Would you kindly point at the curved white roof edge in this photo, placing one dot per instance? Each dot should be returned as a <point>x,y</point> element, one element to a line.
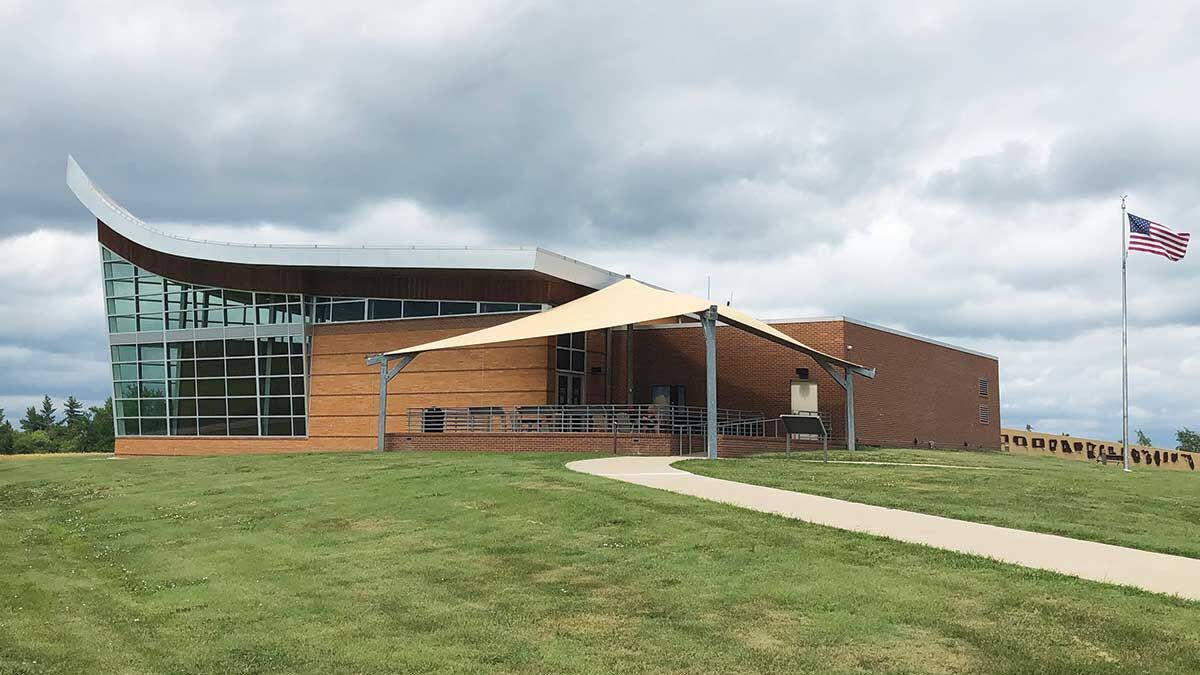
<point>133,228</point>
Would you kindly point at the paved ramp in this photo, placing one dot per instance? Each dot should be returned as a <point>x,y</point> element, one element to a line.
<point>1155,572</point>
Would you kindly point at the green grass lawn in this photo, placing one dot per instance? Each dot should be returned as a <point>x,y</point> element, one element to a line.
<point>456,563</point>
<point>1146,509</point>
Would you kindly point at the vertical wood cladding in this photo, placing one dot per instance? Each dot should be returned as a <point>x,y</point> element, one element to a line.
<point>465,284</point>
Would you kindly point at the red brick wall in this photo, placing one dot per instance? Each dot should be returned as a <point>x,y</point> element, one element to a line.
<point>752,373</point>
<point>922,391</point>
<point>190,445</point>
<point>646,444</point>
<point>649,444</point>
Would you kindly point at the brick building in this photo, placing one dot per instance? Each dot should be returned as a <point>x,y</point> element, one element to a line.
<point>220,348</point>
<point>926,392</point>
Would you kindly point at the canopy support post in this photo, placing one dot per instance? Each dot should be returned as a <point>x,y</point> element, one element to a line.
<point>386,375</point>
<point>629,364</point>
<point>846,381</point>
<point>709,321</point>
<point>850,436</point>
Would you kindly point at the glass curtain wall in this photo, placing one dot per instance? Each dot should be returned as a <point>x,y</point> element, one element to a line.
<point>196,361</point>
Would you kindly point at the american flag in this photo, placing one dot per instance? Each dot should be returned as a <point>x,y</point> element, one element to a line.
<point>1150,237</point>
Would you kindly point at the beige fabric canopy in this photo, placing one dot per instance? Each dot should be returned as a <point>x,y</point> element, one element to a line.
<point>623,303</point>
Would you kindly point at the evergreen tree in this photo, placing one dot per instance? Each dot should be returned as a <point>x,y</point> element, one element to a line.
<point>1143,439</point>
<point>7,436</point>
<point>70,437</point>
<point>32,421</point>
<point>72,411</point>
<point>47,412</point>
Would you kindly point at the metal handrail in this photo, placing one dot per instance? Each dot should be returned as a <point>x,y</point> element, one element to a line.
<point>607,419</point>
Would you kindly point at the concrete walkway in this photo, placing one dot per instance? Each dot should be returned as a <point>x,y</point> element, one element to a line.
<point>1155,572</point>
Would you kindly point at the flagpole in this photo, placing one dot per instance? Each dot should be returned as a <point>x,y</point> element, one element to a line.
<point>1124,338</point>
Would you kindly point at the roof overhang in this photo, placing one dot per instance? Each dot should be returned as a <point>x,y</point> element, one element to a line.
<point>530,259</point>
<point>626,302</point>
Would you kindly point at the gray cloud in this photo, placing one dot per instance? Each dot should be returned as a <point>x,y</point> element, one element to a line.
<point>1081,163</point>
<point>949,169</point>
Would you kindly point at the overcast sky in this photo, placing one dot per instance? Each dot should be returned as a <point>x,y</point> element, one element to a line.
<point>951,169</point>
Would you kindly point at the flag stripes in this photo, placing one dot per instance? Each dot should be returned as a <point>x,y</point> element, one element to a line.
<point>1148,236</point>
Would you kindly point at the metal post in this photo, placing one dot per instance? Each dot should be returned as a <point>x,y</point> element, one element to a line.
<point>787,446</point>
<point>1124,341</point>
<point>385,376</point>
<point>383,382</point>
<point>629,364</point>
<point>608,361</point>
<point>849,409</point>
<point>709,321</point>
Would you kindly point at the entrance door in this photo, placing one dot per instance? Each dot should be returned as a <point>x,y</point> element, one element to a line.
<point>570,389</point>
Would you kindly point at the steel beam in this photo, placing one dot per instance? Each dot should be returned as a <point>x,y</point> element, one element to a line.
<point>846,381</point>
<point>709,321</point>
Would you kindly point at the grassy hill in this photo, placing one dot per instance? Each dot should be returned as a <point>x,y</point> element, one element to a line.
<point>456,563</point>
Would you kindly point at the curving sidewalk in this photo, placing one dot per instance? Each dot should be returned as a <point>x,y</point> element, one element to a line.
<point>1155,572</point>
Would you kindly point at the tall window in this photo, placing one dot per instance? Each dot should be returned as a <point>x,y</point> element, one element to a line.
<point>983,386</point>
<point>570,359</point>
<point>177,370</point>
<point>190,360</point>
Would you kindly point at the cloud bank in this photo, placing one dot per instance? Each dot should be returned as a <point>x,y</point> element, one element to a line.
<point>947,169</point>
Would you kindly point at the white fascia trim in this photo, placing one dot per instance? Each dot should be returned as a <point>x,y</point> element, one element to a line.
<point>133,228</point>
<point>827,319</point>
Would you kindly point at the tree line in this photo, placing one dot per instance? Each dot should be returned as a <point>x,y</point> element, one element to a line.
<point>1185,439</point>
<point>43,430</point>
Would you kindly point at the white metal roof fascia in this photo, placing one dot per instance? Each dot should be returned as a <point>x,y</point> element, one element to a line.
<point>558,265</point>
<point>133,228</point>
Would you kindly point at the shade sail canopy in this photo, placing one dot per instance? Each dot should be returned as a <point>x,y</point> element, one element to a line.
<point>623,303</point>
